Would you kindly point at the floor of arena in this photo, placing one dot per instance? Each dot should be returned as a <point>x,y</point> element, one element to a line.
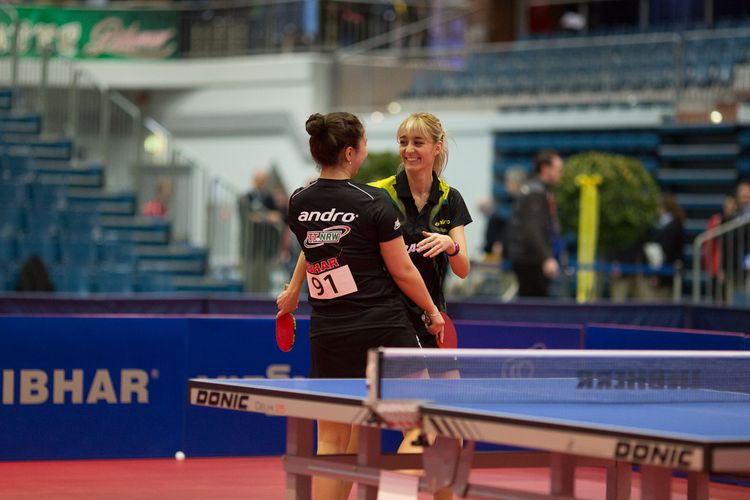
<point>260,478</point>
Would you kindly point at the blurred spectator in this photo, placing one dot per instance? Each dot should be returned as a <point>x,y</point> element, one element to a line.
<point>262,225</point>
<point>496,233</point>
<point>713,249</point>
<point>670,240</point>
<point>158,206</point>
<point>535,228</point>
<point>34,276</point>
<point>743,238</point>
<point>743,197</point>
<point>626,279</point>
<point>493,233</point>
<point>258,198</point>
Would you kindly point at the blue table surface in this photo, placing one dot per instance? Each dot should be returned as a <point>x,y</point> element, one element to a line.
<point>709,422</point>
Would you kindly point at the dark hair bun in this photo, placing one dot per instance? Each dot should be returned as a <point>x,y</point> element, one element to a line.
<point>316,125</point>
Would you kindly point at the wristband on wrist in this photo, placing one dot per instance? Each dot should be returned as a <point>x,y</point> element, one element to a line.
<point>427,317</point>
<point>456,249</point>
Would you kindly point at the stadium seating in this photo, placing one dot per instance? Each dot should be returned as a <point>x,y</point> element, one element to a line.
<point>647,62</point>
<point>90,238</point>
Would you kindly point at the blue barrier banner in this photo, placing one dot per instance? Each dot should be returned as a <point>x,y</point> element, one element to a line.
<point>720,319</point>
<point>243,304</point>
<point>631,337</point>
<point>495,335</point>
<point>77,387</point>
<point>239,348</point>
<point>116,386</point>
<point>26,304</point>
<point>555,312</point>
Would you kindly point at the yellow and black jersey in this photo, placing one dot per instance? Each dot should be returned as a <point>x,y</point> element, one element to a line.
<point>445,209</point>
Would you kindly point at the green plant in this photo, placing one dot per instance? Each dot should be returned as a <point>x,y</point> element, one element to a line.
<point>378,166</point>
<point>628,198</point>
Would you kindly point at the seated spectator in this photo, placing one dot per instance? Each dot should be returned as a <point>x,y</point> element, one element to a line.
<point>34,276</point>
<point>158,206</point>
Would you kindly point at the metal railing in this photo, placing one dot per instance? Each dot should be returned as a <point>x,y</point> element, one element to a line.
<point>726,249</point>
<point>223,225</point>
<point>135,151</point>
<point>257,27</point>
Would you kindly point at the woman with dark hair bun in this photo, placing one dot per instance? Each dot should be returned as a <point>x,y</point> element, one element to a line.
<point>355,261</point>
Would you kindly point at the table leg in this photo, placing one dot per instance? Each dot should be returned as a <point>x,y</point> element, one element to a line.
<point>656,482</point>
<point>299,443</point>
<point>562,474</point>
<point>368,454</point>
<point>465,460</point>
<point>619,478</point>
<point>697,486</point>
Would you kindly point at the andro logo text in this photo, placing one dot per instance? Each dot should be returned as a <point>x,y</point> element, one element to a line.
<point>35,387</point>
<point>331,215</point>
<point>666,455</point>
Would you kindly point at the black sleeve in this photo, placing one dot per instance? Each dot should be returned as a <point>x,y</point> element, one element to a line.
<point>385,217</point>
<point>293,213</point>
<point>460,215</point>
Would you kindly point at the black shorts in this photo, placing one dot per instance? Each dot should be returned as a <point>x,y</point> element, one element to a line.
<point>344,355</point>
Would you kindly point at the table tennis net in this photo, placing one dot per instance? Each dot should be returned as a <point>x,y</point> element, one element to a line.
<point>478,376</point>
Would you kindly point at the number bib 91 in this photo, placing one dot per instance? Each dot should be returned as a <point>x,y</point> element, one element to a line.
<point>331,284</point>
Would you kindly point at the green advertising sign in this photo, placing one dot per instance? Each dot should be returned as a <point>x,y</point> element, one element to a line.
<point>91,33</point>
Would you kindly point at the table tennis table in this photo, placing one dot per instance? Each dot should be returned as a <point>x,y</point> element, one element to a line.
<point>664,411</point>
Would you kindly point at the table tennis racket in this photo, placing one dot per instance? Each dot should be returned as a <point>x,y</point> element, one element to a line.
<point>286,331</point>
<point>450,340</point>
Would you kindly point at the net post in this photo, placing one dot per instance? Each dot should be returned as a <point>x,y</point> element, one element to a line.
<point>373,373</point>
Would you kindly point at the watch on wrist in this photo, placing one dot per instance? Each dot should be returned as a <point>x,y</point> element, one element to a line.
<point>456,249</point>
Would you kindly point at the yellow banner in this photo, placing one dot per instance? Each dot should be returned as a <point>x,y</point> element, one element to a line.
<point>588,235</point>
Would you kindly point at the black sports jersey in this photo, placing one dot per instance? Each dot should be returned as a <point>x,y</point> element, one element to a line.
<point>340,225</point>
<point>444,210</point>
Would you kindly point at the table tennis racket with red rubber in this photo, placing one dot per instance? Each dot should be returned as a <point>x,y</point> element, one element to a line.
<point>286,331</point>
<point>450,340</point>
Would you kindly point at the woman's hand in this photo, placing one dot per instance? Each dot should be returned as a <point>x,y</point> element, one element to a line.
<point>287,301</point>
<point>435,324</point>
<point>434,244</point>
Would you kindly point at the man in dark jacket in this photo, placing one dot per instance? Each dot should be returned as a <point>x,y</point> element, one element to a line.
<point>534,227</point>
